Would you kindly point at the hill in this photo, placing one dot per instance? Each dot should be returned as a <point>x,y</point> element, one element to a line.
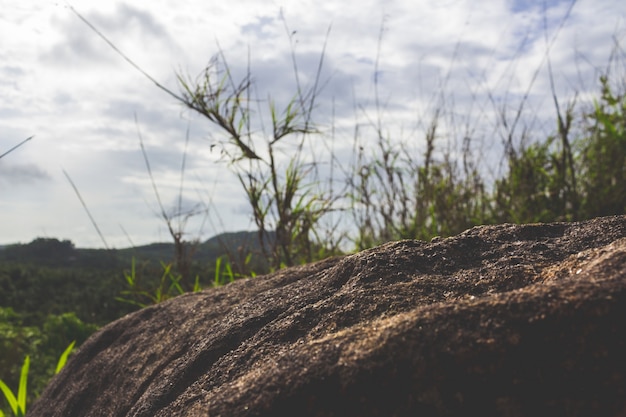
<point>54,252</point>
<point>51,276</point>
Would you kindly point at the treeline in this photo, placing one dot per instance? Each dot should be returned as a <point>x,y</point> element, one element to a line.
<point>50,276</point>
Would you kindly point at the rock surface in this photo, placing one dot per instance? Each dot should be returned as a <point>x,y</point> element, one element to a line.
<point>498,321</point>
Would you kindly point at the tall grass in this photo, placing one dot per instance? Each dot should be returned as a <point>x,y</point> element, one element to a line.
<point>283,193</point>
<point>393,189</point>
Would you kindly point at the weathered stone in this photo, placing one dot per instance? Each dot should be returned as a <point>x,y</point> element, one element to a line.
<point>499,321</point>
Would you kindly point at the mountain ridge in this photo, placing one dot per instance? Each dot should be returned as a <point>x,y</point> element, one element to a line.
<point>55,252</point>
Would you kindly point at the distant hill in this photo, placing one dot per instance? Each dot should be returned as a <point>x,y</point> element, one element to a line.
<point>52,276</point>
<point>232,243</point>
<point>57,253</point>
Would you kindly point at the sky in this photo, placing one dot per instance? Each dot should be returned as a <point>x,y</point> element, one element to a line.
<point>86,108</point>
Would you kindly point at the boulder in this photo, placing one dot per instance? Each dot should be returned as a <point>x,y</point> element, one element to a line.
<point>506,320</point>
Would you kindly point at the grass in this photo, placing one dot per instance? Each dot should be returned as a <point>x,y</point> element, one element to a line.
<point>18,403</point>
<point>168,286</point>
<point>388,191</point>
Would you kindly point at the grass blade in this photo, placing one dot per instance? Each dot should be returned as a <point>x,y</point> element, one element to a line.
<point>21,392</point>
<point>8,394</point>
<point>218,268</point>
<point>93,221</point>
<point>15,147</point>
<point>63,358</point>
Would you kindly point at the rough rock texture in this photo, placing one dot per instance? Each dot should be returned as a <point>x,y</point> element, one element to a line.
<point>498,321</point>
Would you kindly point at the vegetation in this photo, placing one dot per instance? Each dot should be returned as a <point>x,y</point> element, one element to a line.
<point>37,349</point>
<point>574,174</point>
<point>18,403</point>
<point>53,294</point>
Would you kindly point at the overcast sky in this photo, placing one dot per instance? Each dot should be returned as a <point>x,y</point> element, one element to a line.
<point>86,106</point>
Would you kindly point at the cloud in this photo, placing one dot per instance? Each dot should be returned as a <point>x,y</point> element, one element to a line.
<point>77,45</point>
<point>18,174</point>
<point>9,72</point>
<point>262,28</point>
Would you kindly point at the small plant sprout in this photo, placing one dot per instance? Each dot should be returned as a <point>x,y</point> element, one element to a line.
<point>18,404</point>
<point>64,356</point>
